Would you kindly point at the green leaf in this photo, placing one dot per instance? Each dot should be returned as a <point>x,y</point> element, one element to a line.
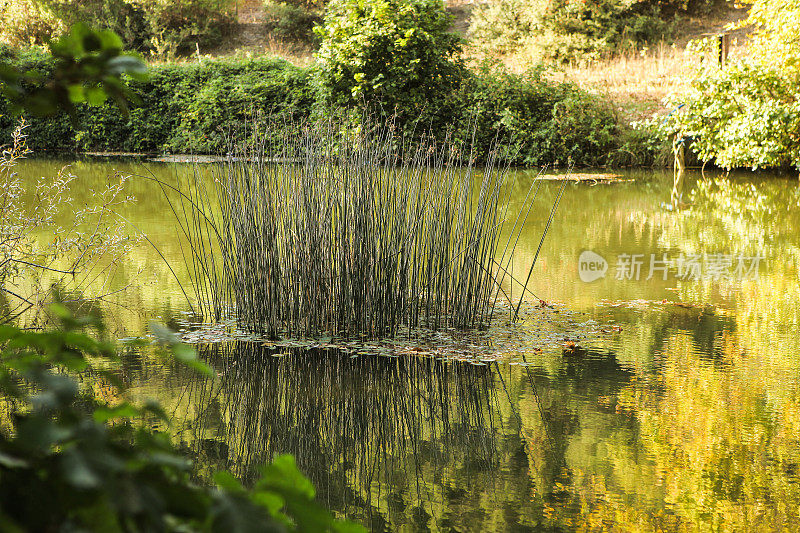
<point>10,461</point>
<point>77,93</point>
<point>236,513</point>
<point>77,471</point>
<point>109,40</point>
<point>272,502</point>
<point>283,474</point>
<point>95,96</point>
<point>163,334</point>
<point>346,526</point>
<point>226,481</point>
<point>182,352</point>
<point>121,411</point>
<point>41,434</point>
<point>126,64</point>
<point>60,311</point>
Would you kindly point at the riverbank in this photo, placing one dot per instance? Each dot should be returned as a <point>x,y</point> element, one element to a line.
<point>201,107</point>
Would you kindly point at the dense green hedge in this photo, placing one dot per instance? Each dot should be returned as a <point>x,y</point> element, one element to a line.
<point>198,107</point>
<point>538,121</point>
<point>185,108</point>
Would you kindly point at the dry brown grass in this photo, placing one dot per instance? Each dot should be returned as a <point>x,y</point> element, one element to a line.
<point>299,54</point>
<point>636,82</point>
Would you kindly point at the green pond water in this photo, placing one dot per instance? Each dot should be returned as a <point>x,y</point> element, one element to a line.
<point>677,410</point>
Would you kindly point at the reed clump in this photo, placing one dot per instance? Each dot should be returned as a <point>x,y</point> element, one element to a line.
<point>348,231</point>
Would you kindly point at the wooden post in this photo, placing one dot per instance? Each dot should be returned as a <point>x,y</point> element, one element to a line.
<point>724,41</point>
<point>678,169</point>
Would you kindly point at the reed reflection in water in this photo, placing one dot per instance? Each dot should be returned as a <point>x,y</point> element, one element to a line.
<point>396,443</point>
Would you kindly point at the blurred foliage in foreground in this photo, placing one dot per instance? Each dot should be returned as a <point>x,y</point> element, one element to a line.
<point>88,66</point>
<point>69,462</point>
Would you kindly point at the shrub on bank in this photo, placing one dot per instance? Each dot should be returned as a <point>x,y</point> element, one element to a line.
<point>539,122</point>
<point>746,114</point>
<point>192,107</point>
<point>397,57</point>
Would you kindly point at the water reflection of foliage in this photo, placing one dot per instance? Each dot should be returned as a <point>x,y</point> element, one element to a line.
<point>406,442</point>
<point>724,452</point>
<point>712,442</point>
<point>751,216</point>
<point>697,436</point>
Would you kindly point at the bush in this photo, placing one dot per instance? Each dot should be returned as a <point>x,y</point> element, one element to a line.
<point>214,103</point>
<point>126,18</point>
<point>541,122</point>
<point>71,463</point>
<point>745,115</point>
<point>393,56</point>
<point>597,27</point>
<point>201,107</point>
<point>748,113</point>
<point>188,108</point>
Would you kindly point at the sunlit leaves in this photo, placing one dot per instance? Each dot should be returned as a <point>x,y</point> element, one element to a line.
<point>747,114</point>
<point>385,51</point>
<point>182,352</point>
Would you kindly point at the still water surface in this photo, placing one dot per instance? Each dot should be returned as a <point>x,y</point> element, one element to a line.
<point>683,415</point>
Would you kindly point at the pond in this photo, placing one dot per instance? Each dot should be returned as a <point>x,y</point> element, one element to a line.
<point>665,398</point>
